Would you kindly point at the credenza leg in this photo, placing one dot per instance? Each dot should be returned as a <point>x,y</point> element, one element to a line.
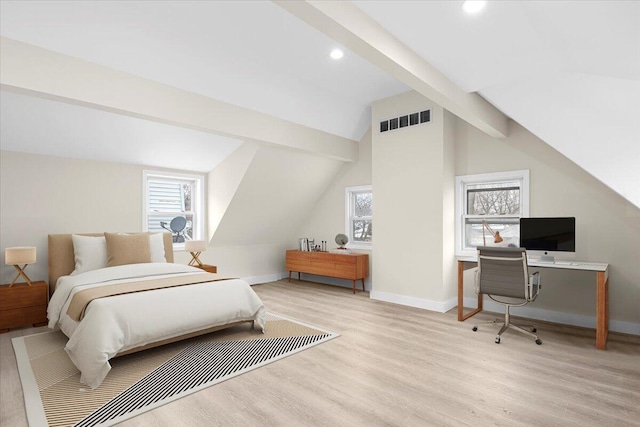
<point>363,283</point>
<point>289,276</point>
<point>354,286</point>
<point>298,275</point>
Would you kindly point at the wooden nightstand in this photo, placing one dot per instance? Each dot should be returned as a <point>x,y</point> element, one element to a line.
<point>208,268</point>
<point>23,305</point>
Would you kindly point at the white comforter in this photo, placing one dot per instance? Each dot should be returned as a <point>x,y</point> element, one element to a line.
<point>122,322</point>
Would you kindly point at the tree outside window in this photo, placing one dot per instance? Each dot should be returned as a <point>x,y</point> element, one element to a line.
<point>498,200</point>
<point>359,216</point>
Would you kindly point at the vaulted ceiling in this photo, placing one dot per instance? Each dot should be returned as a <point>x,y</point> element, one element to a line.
<point>567,71</point>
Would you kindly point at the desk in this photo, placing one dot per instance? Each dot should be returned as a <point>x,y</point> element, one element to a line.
<point>602,290</point>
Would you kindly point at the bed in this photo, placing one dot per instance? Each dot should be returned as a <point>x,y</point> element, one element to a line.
<point>112,326</point>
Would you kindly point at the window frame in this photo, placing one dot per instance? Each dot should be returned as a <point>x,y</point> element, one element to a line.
<point>197,202</point>
<point>350,192</point>
<point>461,199</point>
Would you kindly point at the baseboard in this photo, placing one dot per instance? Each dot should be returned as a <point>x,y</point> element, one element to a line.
<point>256,280</point>
<point>439,306</point>
<point>557,316</point>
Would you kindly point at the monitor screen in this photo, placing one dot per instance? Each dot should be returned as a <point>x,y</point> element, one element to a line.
<point>548,234</point>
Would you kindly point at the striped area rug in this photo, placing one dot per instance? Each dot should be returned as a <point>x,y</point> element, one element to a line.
<point>142,381</point>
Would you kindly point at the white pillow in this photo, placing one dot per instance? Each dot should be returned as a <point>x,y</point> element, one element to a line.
<point>156,243</point>
<point>90,253</point>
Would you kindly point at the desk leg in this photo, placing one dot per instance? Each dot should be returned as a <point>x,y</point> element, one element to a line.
<point>289,276</point>
<point>602,311</point>
<point>461,316</point>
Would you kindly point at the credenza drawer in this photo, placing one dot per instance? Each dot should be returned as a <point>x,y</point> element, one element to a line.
<point>22,316</point>
<point>23,295</point>
<point>298,265</point>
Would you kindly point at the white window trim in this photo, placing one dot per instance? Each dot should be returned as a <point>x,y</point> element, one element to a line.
<point>461,200</point>
<point>198,203</point>
<point>347,218</point>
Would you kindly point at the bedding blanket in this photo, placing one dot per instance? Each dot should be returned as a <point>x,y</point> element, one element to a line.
<point>122,322</point>
<point>83,298</point>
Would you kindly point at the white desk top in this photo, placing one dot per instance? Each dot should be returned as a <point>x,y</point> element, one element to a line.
<point>569,265</point>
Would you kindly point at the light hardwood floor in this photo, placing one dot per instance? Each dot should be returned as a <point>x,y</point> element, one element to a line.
<point>400,366</point>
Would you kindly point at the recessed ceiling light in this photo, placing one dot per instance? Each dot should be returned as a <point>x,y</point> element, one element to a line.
<point>336,54</point>
<point>473,6</point>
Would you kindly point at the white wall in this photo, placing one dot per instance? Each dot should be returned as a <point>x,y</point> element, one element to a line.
<point>607,225</point>
<point>275,195</point>
<point>412,182</point>
<point>41,195</point>
<point>223,182</point>
<point>327,217</point>
<point>449,264</point>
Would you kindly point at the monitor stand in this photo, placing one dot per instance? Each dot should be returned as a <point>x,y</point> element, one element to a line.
<point>547,258</point>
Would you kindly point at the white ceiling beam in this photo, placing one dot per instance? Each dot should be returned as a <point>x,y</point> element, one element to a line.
<point>28,69</point>
<point>353,28</point>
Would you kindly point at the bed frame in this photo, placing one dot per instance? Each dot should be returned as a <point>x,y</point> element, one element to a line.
<point>62,263</point>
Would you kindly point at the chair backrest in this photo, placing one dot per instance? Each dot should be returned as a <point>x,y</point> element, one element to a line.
<point>503,271</point>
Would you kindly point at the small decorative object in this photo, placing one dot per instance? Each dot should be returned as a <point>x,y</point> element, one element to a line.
<point>497,238</point>
<point>24,255</point>
<point>195,247</point>
<point>304,244</point>
<point>342,240</point>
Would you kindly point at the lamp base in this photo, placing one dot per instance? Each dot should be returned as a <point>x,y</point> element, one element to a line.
<point>20,273</point>
<point>195,261</point>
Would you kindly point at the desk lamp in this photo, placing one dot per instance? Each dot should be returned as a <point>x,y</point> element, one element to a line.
<point>195,247</point>
<point>496,234</point>
<point>24,255</point>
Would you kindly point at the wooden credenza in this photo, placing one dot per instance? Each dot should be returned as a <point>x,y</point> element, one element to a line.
<point>349,266</point>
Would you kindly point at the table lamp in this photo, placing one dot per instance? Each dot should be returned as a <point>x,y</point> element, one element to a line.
<point>24,255</point>
<point>496,234</point>
<point>195,247</point>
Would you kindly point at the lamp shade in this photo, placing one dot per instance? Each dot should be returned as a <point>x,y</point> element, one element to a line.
<point>20,255</point>
<point>195,245</point>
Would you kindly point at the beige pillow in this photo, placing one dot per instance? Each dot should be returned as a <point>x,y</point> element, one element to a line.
<point>127,248</point>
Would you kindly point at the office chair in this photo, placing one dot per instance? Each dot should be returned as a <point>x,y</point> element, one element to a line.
<point>503,274</point>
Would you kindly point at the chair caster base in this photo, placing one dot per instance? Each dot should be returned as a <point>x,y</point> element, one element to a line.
<point>497,340</point>
<point>475,328</point>
<point>538,341</point>
<point>534,330</point>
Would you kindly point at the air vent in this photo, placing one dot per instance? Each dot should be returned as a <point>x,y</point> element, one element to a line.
<point>406,120</point>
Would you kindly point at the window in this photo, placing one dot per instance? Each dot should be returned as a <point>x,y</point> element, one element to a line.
<point>174,203</point>
<point>498,200</point>
<point>359,216</point>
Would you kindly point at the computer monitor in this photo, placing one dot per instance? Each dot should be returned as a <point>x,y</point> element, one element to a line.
<point>548,235</point>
